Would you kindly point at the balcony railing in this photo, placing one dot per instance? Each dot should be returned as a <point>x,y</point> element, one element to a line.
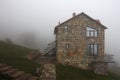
<point>108,58</point>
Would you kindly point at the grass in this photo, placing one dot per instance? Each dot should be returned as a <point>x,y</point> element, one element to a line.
<point>12,54</point>
<point>4,78</point>
<point>71,73</point>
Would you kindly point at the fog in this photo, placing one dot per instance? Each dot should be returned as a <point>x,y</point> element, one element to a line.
<point>39,17</point>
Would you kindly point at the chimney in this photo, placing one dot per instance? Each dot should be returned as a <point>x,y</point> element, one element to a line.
<point>74,14</point>
<point>58,23</point>
<point>97,20</point>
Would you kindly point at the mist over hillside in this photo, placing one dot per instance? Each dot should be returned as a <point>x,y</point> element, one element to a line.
<point>31,23</point>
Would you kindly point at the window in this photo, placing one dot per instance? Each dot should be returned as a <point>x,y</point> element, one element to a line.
<point>90,32</point>
<point>92,50</point>
<point>67,46</point>
<point>65,27</point>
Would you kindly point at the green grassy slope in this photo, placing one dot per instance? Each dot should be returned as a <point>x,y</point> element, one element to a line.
<point>4,78</point>
<point>14,55</point>
<point>71,73</point>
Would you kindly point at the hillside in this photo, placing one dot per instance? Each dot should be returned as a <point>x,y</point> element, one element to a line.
<point>13,55</point>
<point>71,73</point>
<point>115,69</point>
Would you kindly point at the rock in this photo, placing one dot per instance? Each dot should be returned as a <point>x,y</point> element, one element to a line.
<point>17,74</point>
<point>48,72</point>
<point>5,68</point>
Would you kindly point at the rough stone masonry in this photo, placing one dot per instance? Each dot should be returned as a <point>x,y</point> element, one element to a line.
<point>48,72</point>
<point>79,40</point>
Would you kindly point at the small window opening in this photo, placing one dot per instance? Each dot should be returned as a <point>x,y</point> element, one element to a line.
<point>66,27</point>
<point>67,46</point>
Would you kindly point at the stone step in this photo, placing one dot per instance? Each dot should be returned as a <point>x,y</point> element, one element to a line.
<point>10,71</point>
<point>47,78</point>
<point>17,74</point>
<point>6,68</point>
<point>33,78</point>
<point>26,76</point>
<point>23,77</point>
<point>2,65</point>
<point>15,71</point>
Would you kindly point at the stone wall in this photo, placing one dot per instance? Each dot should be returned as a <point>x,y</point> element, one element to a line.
<point>100,68</point>
<point>48,72</point>
<point>75,35</point>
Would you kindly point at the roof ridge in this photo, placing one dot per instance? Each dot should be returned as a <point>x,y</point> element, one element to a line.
<point>79,15</point>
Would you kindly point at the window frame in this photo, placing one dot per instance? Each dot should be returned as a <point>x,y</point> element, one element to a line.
<point>91,33</point>
<point>91,50</point>
<point>67,46</point>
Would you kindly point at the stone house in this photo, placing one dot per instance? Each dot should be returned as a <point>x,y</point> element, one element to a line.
<point>80,43</point>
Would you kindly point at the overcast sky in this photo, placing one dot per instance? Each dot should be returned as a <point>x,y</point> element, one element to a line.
<point>41,16</point>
